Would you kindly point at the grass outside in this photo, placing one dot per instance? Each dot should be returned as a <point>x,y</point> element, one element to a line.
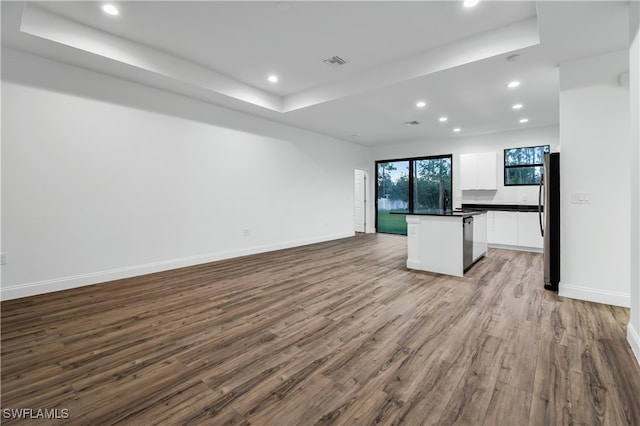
<point>392,223</point>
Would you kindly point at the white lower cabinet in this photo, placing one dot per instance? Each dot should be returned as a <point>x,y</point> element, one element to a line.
<point>529,230</point>
<point>505,228</point>
<point>518,229</point>
<point>489,226</point>
<point>479,236</point>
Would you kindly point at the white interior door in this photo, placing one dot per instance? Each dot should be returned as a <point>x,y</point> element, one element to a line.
<point>359,197</point>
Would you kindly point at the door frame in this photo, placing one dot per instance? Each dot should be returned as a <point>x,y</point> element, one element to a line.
<point>365,192</point>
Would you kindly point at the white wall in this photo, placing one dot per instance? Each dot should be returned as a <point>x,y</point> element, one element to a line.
<point>595,140</point>
<point>633,329</point>
<point>103,178</point>
<point>495,142</point>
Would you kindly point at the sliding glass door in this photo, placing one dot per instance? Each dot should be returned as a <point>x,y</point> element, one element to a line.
<point>392,195</point>
<point>420,185</point>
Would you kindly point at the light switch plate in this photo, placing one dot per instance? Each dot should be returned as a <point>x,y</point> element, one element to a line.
<point>580,198</point>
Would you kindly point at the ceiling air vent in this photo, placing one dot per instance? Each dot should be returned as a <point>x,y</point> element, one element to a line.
<point>334,61</point>
<point>411,123</point>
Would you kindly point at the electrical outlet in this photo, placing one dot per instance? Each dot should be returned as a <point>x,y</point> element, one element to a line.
<point>246,232</point>
<point>4,258</point>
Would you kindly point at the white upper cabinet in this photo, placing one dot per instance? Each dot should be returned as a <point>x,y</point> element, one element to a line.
<point>478,171</point>
<point>487,175</point>
<point>468,171</point>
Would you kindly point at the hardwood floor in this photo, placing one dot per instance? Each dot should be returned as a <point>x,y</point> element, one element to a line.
<point>333,333</point>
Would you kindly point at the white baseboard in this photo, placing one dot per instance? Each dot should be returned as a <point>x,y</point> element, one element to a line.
<point>594,295</point>
<point>517,248</point>
<point>66,283</point>
<point>634,340</point>
<point>414,264</point>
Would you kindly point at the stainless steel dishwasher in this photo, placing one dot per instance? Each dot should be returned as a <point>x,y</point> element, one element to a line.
<point>467,244</point>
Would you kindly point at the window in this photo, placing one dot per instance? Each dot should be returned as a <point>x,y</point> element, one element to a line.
<point>414,184</point>
<point>523,166</point>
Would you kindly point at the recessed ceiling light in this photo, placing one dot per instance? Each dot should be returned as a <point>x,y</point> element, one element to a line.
<point>513,84</point>
<point>273,78</point>
<point>470,3</point>
<point>421,104</point>
<point>457,129</point>
<point>524,120</point>
<point>517,106</point>
<point>442,119</point>
<point>110,9</point>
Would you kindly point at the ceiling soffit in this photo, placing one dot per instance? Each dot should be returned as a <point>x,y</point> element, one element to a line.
<point>43,24</point>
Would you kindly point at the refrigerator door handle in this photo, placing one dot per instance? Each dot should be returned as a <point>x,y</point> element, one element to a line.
<point>540,205</point>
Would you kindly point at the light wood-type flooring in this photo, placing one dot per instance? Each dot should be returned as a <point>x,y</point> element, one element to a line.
<point>332,333</point>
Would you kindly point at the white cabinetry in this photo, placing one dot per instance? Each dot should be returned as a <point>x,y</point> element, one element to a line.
<point>479,236</point>
<point>518,229</point>
<point>478,171</point>
<point>490,226</point>
<point>529,230</point>
<point>505,228</point>
<point>468,171</point>
<point>436,243</point>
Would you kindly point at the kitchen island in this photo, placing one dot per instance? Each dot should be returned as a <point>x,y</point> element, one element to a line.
<point>436,240</point>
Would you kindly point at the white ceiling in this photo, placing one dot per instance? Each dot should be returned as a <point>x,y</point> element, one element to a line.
<point>398,53</point>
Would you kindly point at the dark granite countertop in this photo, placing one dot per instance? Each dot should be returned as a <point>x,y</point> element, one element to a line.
<point>435,212</point>
<point>502,207</point>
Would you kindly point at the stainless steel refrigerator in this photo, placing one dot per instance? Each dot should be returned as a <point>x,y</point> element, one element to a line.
<point>549,214</point>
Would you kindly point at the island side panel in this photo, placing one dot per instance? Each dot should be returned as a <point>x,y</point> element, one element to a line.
<point>479,236</point>
<point>434,244</point>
